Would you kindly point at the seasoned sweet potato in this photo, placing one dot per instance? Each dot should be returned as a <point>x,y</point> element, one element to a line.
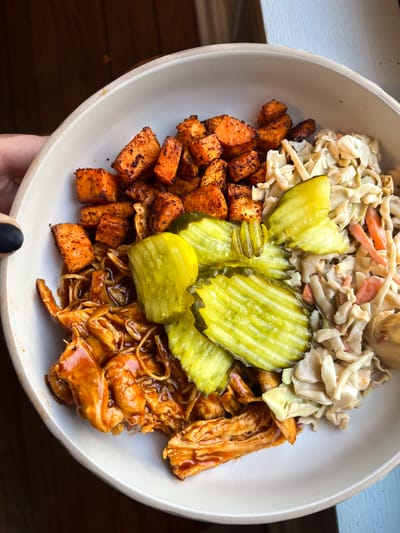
<point>206,149</point>
<point>212,123</point>
<point>74,245</point>
<point>183,186</point>
<point>142,191</point>
<point>302,130</point>
<point>271,135</point>
<point>168,160</point>
<point>96,185</point>
<point>166,208</point>
<point>215,172</point>
<point>243,165</point>
<point>235,190</point>
<point>235,136</point>
<point>187,166</point>
<point>91,215</point>
<point>259,175</point>
<point>208,199</point>
<point>190,130</point>
<point>243,208</point>
<point>138,156</point>
<point>112,230</point>
<point>270,111</point>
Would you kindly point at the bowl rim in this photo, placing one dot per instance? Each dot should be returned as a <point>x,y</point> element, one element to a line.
<point>58,433</point>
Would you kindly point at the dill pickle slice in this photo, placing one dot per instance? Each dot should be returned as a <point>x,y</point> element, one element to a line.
<point>214,242</point>
<point>301,219</point>
<point>261,321</point>
<point>322,238</point>
<point>205,363</point>
<point>249,237</point>
<point>163,266</point>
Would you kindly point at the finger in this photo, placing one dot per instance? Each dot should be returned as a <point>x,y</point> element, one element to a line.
<point>11,236</point>
<point>17,152</point>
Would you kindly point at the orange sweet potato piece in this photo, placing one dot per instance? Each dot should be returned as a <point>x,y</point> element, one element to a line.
<point>91,214</point>
<point>142,191</point>
<point>165,209</point>
<point>271,135</point>
<point>302,130</point>
<point>206,149</point>
<point>138,156</point>
<point>96,185</point>
<point>244,208</point>
<point>168,160</point>
<point>270,111</point>
<point>187,166</point>
<point>208,199</point>
<point>243,165</point>
<point>183,186</point>
<point>74,245</point>
<point>190,130</point>
<point>236,190</point>
<point>112,230</point>
<point>235,136</point>
<point>215,172</point>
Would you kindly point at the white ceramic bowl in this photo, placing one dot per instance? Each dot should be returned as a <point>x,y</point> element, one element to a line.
<point>322,468</point>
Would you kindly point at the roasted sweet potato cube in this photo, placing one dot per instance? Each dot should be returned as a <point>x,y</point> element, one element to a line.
<point>96,185</point>
<point>183,186</point>
<point>165,209</point>
<point>232,132</point>
<point>259,176</point>
<point>243,165</point>
<point>206,149</point>
<point>142,191</point>
<point>190,130</point>
<point>187,166</point>
<point>74,245</point>
<point>236,190</point>
<point>270,111</point>
<point>138,156</point>
<point>215,173</point>
<point>168,160</point>
<point>271,135</point>
<point>112,230</point>
<point>91,214</point>
<point>242,208</point>
<point>208,199</point>
<point>212,123</point>
<point>302,130</point>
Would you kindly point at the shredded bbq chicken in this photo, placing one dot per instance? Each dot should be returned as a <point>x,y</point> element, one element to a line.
<point>206,444</point>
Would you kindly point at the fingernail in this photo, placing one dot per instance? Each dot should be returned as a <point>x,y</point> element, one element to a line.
<point>11,238</point>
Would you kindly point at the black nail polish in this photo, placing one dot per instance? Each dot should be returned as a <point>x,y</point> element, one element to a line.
<point>11,238</point>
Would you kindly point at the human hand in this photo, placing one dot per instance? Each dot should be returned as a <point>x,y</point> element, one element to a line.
<point>16,154</point>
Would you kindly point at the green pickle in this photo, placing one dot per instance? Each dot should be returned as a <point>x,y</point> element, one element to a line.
<point>260,321</point>
<point>221,242</point>
<point>205,363</point>
<point>163,266</point>
<point>301,219</point>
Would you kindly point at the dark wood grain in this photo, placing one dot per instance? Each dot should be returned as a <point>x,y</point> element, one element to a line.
<point>54,55</point>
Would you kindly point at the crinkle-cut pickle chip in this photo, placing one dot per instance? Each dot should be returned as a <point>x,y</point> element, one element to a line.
<point>163,266</point>
<point>205,363</point>
<point>262,322</point>
<point>301,219</point>
<point>212,239</point>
